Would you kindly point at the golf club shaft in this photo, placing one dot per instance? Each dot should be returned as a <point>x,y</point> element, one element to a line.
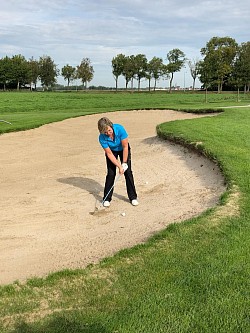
<point>111,189</point>
<point>4,121</point>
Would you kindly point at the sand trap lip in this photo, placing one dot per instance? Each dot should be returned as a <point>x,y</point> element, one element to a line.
<point>53,175</point>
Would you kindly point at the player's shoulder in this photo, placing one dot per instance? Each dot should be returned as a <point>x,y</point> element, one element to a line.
<point>118,127</point>
<point>102,138</point>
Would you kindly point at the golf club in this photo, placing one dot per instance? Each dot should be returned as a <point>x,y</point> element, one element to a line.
<point>4,121</point>
<point>97,208</point>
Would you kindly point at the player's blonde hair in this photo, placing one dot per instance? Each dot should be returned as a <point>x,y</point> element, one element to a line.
<point>103,124</point>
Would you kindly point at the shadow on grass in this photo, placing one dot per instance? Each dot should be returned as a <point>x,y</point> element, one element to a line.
<point>60,324</point>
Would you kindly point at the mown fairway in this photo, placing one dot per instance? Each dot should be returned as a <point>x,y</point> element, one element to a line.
<point>192,277</point>
<point>29,110</point>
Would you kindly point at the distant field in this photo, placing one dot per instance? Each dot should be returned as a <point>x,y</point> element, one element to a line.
<point>28,110</point>
<point>193,277</point>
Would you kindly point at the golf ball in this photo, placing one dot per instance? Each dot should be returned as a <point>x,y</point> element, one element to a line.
<point>123,214</point>
<point>146,182</point>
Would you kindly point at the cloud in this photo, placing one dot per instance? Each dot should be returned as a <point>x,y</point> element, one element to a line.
<point>74,29</point>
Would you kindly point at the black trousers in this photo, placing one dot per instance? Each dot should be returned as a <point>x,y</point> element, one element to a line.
<point>111,173</point>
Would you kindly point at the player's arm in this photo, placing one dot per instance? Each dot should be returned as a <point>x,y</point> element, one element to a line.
<point>125,150</point>
<point>113,159</point>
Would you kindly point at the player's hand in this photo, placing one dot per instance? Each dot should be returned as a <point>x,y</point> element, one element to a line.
<point>124,166</point>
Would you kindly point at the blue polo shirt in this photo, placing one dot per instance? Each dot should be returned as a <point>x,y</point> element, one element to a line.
<point>119,135</point>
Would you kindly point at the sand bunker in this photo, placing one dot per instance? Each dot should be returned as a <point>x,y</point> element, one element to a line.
<point>52,176</point>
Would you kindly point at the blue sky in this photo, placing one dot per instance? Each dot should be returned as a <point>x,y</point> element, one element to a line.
<point>71,30</point>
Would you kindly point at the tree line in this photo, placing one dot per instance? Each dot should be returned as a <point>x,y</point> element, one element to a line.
<point>224,64</point>
<point>17,72</point>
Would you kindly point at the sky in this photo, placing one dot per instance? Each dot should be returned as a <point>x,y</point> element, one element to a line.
<point>71,30</point>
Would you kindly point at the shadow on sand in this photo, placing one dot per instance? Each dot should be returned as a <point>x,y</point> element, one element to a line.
<point>89,185</point>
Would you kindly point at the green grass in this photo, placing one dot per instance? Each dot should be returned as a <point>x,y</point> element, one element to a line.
<point>193,277</point>
<point>29,110</point>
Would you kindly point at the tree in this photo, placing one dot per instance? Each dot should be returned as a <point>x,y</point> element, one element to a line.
<point>194,70</point>
<point>205,72</point>
<point>5,71</point>
<point>19,70</point>
<point>68,72</point>
<point>128,69</point>
<point>243,64</point>
<point>48,72</point>
<point>240,76</point>
<point>219,54</point>
<point>236,78</point>
<point>176,60</point>
<point>33,72</point>
<point>85,71</point>
<point>154,70</point>
<point>140,67</point>
<point>132,70</point>
<point>118,66</point>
